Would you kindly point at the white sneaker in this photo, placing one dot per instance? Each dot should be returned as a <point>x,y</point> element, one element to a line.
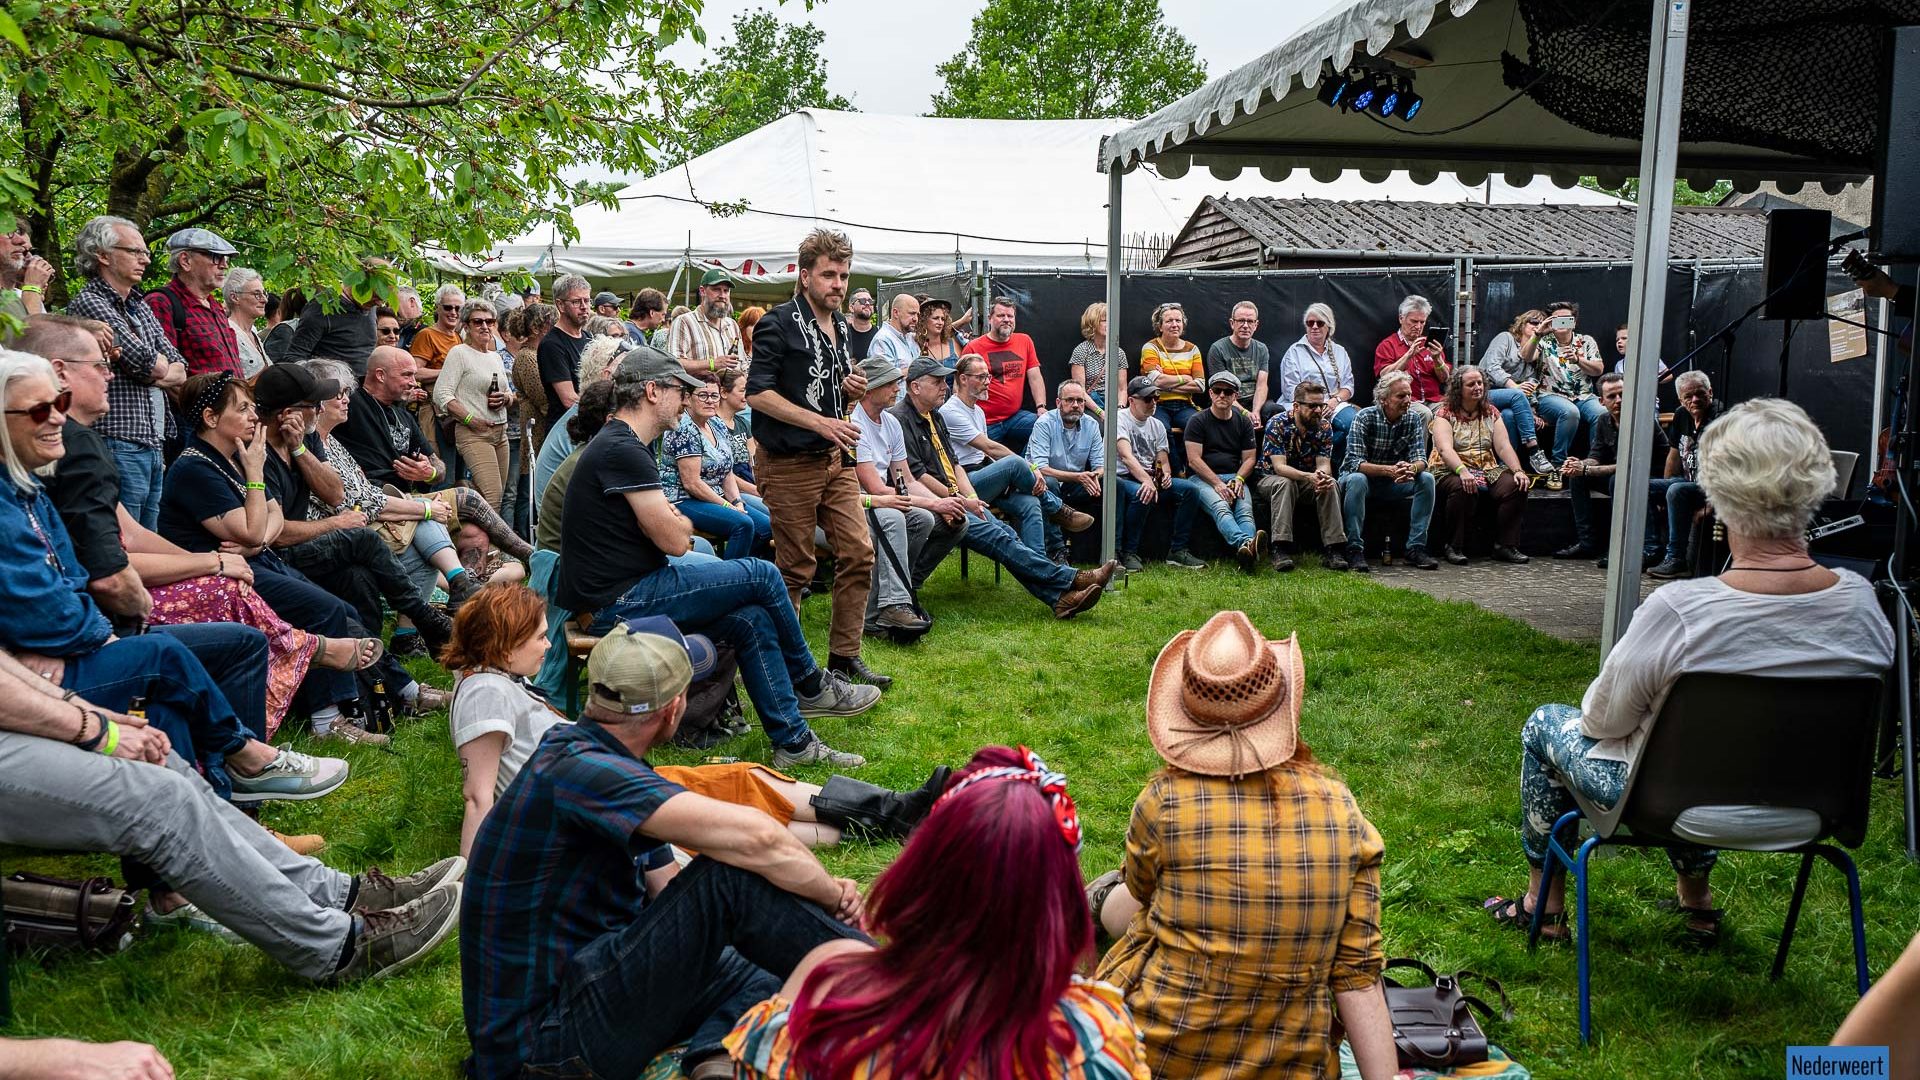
<point>190,917</point>
<point>817,752</point>
<point>291,775</point>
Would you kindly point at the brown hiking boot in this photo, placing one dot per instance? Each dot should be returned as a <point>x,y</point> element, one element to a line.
<point>1099,575</point>
<point>1072,520</point>
<point>1078,600</point>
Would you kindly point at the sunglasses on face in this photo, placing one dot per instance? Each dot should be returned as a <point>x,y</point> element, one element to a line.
<point>389,331</point>
<point>1315,322</point>
<point>41,412</point>
<point>478,322</point>
<point>449,307</point>
<point>1227,390</point>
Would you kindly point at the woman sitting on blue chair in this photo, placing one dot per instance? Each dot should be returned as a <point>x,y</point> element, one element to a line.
<point>1775,611</point>
<point>703,484</point>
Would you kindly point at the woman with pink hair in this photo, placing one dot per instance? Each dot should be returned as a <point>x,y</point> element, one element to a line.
<point>975,974</point>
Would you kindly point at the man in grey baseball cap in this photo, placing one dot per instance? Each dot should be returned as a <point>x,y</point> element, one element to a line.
<point>909,540</point>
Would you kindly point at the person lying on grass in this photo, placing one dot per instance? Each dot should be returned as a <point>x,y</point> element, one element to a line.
<point>586,950</point>
<point>976,974</point>
<point>497,718</point>
<point>1775,611</point>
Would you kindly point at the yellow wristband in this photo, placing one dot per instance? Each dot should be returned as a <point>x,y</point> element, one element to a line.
<point>256,485</point>
<point>427,505</point>
<point>298,450</point>
<point>112,741</point>
<point>30,288</point>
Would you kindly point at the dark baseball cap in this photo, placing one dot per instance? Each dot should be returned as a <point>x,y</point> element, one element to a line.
<point>282,386</point>
<point>1143,386</point>
<point>927,365</point>
<point>645,364</point>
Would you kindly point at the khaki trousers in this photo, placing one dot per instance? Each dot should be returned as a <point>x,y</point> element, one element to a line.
<point>485,455</point>
<point>802,490</point>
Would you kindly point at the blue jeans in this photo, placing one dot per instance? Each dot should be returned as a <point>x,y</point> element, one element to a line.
<point>1342,422</point>
<point>1012,432</point>
<point>1175,415</point>
<point>141,469</point>
<point>716,941</point>
<point>1565,415</point>
<point>742,602</point>
<point>1357,489</point>
<point>1133,512</point>
<point>181,698</point>
<point>1008,484</point>
<point>1185,505</point>
<point>1683,499</point>
<point>1234,520</point>
<point>742,529</point>
<point>307,606</point>
<point>1516,411</point>
<point>1554,764</point>
<point>235,656</point>
<point>1045,579</point>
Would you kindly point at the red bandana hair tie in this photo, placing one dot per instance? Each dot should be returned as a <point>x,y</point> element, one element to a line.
<point>1053,785</point>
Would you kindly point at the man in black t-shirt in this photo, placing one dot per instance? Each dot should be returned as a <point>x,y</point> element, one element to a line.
<point>381,432</point>
<point>1685,498</point>
<point>861,326</point>
<point>802,385</point>
<point>1221,445</point>
<point>560,350</point>
<point>621,560</point>
<point>1595,472</point>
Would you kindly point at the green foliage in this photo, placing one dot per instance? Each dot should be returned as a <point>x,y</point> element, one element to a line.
<point>1416,703</point>
<point>1683,192</point>
<point>1066,60</point>
<point>318,132</point>
<point>768,70</point>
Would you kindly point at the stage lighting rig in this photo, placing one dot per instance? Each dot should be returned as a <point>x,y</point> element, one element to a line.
<point>1385,91</point>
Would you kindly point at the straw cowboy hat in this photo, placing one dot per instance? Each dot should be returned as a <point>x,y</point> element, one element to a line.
<point>1225,701</point>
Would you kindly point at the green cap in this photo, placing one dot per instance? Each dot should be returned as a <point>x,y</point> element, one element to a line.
<point>716,276</point>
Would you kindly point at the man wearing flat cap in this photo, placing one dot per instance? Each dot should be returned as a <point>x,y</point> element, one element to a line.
<point>185,308</point>
<point>572,963</point>
<point>706,339</point>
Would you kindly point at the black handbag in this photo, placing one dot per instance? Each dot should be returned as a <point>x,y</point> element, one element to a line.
<point>1433,1024</point>
<point>49,913</point>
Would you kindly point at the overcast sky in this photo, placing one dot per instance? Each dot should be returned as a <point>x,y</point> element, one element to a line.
<point>881,53</point>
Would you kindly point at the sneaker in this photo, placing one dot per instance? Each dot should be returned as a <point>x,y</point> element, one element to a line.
<point>346,731</point>
<point>190,917</point>
<point>1539,463</point>
<point>406,646</point>
<point>1419,559</point>
<point>291,775</point>
<point>1248,554</point>
<point>816,752</point>
<point>1333,560</point>
<point>389,942</point>
<point>838,697</point>
<point>1668,569</point>
<point>1130,562</point>
<point>1357,561</point>
<point>1555,481</point>
<point>1282,561</point>
<point>302,844</point>
<point>899,617</point>
<point>1576,551</point>
<point>427,699</point>
<point>1184,559</point>
<point>378,892</point>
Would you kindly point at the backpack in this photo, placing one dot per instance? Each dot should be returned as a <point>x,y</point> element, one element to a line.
<point>714,713</point>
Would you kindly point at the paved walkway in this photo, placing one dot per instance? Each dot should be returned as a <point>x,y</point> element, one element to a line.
<point>1565,599</point>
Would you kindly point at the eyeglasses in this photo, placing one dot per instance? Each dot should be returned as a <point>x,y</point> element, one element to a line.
<point>41,412</point>
<point>981,375</point>
<point>101,364</point>
<point>1316,322</point>
<point>1248,322</point>
<point>131,250</point>
<point>707,395</point>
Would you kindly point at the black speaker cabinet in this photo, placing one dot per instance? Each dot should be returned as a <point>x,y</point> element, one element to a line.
<point>1896,182</point>
<point>1796,264</point>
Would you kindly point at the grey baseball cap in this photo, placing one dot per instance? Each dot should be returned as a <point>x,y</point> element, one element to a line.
<point>645,364</point>
<point>1143,386</point>
<point>200,240</point>
<point>603,298</point>
<point>879,371</point>
<point>1223,378</point>
<point>927,365</point>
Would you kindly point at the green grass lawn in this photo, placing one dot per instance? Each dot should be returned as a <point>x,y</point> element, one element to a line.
<point>1417,703</point>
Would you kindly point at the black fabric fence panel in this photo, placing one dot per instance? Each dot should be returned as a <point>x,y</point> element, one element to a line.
<point>1364,303</point>
<point>955,288</point>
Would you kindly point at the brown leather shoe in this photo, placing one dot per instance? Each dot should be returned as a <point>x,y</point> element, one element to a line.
<point>1072,520</point>
<point>1076,601</point>
<point>1099,575</point>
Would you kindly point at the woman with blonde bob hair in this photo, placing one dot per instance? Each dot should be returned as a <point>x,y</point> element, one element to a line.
<point>1774,611</point>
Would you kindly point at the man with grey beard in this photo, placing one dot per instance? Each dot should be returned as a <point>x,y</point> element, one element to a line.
<point>706,339</point>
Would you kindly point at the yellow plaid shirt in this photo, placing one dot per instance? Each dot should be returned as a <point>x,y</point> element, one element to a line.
<point>1262,900</point>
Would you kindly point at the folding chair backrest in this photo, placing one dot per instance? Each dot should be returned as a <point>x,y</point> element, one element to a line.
<point>1754,740</point>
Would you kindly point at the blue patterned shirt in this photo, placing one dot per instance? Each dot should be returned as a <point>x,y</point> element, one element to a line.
<point>1298,447</point>
<point>137,410</point>
<point>555,866</point>
<point>1374,440</point>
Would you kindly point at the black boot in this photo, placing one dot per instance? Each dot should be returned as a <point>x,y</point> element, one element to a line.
<point>856,806</point>
<point>856,670</point>
<point>435,628</point>
<point>459,591</point>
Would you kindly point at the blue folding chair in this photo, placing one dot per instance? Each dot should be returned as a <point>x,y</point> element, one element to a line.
<point>1740,763</point>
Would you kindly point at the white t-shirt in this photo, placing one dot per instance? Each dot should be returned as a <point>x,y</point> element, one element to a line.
<point>1706,625</point>
<point>882,442</point>
<point>1148,437</point>
<point>486,702</point>
<point>965,423</point>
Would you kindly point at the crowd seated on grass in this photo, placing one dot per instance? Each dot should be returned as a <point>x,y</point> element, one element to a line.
<point>194,564</point>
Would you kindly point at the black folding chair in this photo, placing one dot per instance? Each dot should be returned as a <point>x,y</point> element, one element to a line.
<point>1741,763</point>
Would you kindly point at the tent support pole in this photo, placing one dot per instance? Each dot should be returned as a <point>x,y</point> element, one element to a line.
<point>1653,222</point>
<point>1110,486</point>
<point>1883,317</point>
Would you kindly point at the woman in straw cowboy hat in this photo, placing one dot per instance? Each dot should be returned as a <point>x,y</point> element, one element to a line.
<point>1250,896</point>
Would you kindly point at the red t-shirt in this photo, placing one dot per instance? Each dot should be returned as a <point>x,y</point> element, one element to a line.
<point>1008,363</point>
<point>1427,383</point>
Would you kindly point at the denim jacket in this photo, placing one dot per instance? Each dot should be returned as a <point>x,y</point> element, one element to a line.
<point>44,604</point>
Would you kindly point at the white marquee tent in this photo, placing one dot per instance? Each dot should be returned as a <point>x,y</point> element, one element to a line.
<point>915,194</point>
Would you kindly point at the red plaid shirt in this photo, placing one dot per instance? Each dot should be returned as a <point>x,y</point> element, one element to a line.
<point>207,341</point>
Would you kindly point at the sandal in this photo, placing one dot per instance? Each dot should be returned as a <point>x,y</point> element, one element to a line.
<point>1097,892</point>
<point>1514,913</point>
<point>1701,925</point>
<point>366,653</point>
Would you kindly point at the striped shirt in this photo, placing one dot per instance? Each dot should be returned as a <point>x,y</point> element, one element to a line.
<point>136,409</point>
<point>555,866</point>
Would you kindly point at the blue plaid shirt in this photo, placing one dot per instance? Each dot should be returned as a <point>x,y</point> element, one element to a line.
<point>137,410</point>
<point>1374,440</point>
<point>555,866</point>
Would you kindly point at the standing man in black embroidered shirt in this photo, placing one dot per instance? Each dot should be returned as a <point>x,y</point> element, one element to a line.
<point>800,384</point>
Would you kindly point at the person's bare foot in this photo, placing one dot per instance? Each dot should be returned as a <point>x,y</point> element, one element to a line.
<point>347,654</point>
